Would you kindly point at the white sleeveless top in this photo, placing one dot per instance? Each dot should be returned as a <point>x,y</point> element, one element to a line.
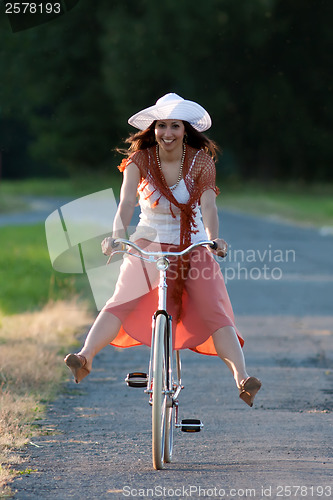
<point>157,224</point>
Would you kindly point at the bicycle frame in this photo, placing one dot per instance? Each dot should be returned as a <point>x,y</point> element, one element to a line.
<point>172,387</point>
<point>173,390</point>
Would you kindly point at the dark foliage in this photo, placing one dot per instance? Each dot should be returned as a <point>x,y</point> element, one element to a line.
<point>261,68</point>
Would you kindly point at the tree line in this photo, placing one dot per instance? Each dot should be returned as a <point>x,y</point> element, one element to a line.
<point>260,67</point>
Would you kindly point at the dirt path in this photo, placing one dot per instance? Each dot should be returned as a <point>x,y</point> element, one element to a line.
<point>102,449</point>
<point>281,448</point>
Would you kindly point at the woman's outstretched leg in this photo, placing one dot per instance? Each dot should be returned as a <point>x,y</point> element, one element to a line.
<point>229,350</point>
<point>103,331</point>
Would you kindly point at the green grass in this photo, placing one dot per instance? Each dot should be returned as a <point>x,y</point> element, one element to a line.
<point>12,203</point>
<point>304,205</point>
<point>27,278</point>
<point>82,185</point>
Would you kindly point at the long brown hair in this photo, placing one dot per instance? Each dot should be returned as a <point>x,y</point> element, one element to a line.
<point>146,138</point>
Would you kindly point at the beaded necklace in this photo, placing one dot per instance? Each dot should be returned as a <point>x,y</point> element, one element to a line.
<point>180,170</point>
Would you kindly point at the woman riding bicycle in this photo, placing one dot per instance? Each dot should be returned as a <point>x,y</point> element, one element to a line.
<point>170,166</point>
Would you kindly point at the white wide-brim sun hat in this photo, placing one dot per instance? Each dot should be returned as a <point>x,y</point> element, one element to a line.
<point>172,107</point>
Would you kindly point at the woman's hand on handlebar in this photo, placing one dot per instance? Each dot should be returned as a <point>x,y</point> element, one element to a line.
<point>221,249</point>
<point>108,245</point>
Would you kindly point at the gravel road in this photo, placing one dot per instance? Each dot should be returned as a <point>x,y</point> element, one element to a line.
<point>99,441</point>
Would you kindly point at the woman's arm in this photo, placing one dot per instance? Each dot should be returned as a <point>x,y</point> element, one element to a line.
<point>127,201</point>
<point>125,208</point>
<point>211,221</point>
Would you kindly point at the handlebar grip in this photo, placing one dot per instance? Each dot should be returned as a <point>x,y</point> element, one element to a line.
<point>213,246</point>
<point>114,244</point>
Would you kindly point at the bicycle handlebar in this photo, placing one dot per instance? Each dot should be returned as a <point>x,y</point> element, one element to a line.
<point>151,255</point>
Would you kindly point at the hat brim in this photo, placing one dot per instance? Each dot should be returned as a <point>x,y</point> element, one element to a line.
<point>183,110</point>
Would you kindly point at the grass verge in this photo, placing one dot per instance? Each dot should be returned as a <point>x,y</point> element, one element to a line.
<point>38,323</point>
<point>72,187</point>
<point>27,278</point>
<point>294,202</point>
<point>12,203</point>
<point>33,345</point>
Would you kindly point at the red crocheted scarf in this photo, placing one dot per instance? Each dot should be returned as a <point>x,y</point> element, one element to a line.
<point>199,174</point>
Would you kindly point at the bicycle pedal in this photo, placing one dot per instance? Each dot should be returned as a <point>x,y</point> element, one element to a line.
<point>191,425</point>
<point>137,379</point>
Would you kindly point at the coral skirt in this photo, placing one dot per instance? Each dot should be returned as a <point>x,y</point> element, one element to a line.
<point>205,307</point>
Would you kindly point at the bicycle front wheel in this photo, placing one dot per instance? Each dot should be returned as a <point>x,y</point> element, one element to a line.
<point>168,442</point>
<point>159,398</point>
<point>169,419</point>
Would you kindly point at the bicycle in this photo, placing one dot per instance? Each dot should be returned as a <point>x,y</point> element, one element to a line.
<point>162,385</point>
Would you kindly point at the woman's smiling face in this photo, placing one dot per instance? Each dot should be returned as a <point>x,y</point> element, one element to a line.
<point>169,134</point>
